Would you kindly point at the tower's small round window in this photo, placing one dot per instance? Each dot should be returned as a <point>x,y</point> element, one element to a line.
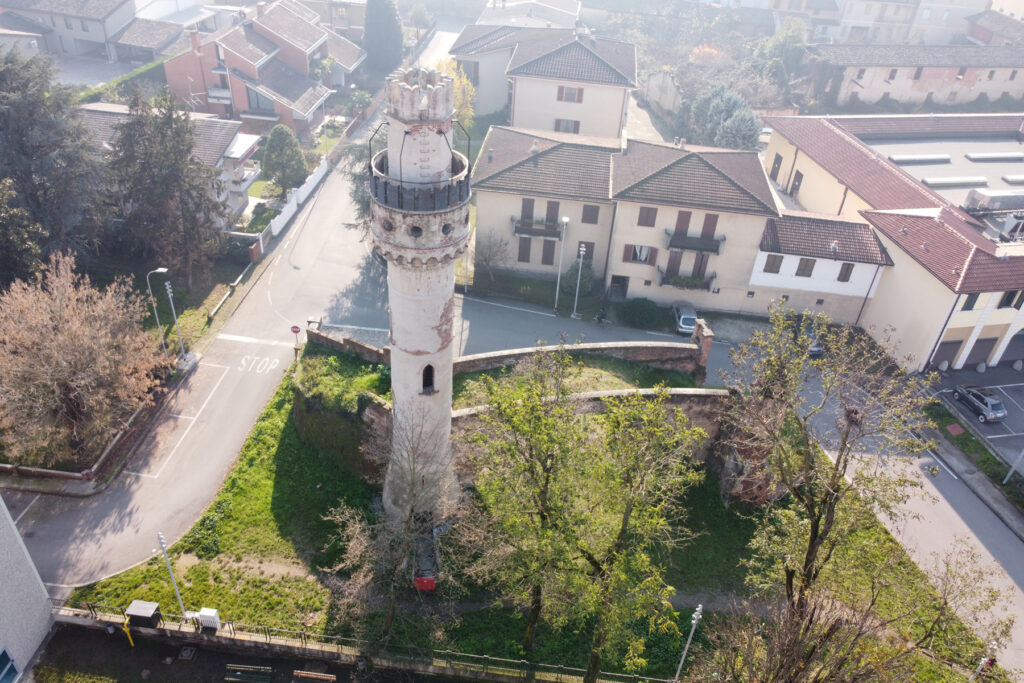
<point>388,226</point>
<point>416,231</point>
<point>446,229</point>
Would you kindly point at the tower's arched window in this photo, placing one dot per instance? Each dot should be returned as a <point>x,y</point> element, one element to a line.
<point>428,380</point>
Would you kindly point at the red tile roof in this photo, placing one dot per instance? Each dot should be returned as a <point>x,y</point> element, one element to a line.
<point>825,237</point>
<point>950,246</point>
<point>930,126</point>
<point>854,164</point>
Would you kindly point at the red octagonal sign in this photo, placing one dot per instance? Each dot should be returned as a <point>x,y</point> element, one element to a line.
<point>296,329</point>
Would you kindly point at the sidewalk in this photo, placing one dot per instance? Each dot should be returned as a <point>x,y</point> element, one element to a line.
<point>978,483</point>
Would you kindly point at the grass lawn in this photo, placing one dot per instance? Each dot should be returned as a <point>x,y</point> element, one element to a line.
<point>597,374</point>
<point>993,467</point>
<point>254,553</point>
<point>257,187</point>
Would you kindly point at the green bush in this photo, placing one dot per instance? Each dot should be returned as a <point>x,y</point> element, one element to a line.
<point>641,313</point>
<point>586,278</point>
<point>261,217</point>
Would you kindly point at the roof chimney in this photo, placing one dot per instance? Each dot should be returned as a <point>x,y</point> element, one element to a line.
<point>261,7</point>
<point>194,36</point>
<point>490,155</point>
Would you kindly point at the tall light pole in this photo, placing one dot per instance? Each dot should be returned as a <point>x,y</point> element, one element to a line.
<point>579,273</point>
<point>163,548</point>
<point>152,300</point>
<point>561,252</point>
<point>694,620</point>
<point>170,297</point>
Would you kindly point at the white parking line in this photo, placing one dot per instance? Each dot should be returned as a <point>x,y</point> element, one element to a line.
<point>1004,436</point>
<point>1007,394</point>
<point>514,308</point>
<point>30,503</point>
<point>354,327</point>
<point>184,434</point>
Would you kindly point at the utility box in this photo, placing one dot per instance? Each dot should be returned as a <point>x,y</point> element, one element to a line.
<point>209,619</point>
<point>143,613</point>
<point>426,584</point>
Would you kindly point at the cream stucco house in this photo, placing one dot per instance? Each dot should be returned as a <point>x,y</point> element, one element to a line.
<point>955,291</point>
<point>913,74</point>
<point>564,80</point>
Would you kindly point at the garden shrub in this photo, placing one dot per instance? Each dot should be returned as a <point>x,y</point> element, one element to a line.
<point>641,313</point>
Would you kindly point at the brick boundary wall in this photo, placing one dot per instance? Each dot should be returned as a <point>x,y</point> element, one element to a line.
<point>689,357</point>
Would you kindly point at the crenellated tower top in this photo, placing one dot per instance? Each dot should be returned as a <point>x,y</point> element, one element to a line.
<point>420,95</point>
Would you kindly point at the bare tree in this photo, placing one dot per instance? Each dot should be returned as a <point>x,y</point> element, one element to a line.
<point>821,429</point>
<point>491,253</point>
<point>75,363</point>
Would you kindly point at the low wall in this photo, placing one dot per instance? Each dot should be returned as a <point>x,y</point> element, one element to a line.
<point>371,354</point>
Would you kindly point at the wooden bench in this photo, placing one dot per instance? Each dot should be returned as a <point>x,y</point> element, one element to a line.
<point>299,676</point>
<point>244,673</point>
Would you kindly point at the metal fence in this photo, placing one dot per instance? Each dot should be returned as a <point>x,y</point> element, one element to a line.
<point>393,656</point>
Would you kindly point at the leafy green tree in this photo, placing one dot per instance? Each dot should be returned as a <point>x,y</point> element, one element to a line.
<point>740,131</point>
<point>54,176</point>
<point>75,363</point>
<point>712,109</point>
<point>382,37</point>
<point>170,199</point>
<point>781,54</point>
<point>465,93</point>
<point>529,462</point>
<point>283,161</point>
<point>20,238</point>
<point>634,486</point>
<point>586,278</point>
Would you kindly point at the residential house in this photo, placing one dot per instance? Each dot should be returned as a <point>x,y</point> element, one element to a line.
<point>264,70</point>
<point>914,74</point>
<point>344,17</point>
<point>550,79</point>
<point>531,13</point>
<point>525,182</point>
<point>821,17</point>
<point>219,144</point>
<point>77,27</point>
<point>21,34</point>
<point>688,223</point>
<point>663,222</point>
<point>953,293</point>
<point>144,40</point>
<point>994,29</point>
<point>942,22</point>
<point>876,21</point>
<point>24,603</point>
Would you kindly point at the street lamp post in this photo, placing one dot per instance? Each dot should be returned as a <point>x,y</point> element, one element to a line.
<point>170,297</point>
<point>561,252</point>
<point>152,300</point>
<point>579,273</point>
<point>163,548</point>
<point>693,627</point>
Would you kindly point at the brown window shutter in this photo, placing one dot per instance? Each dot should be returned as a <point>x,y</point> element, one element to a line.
<point>674,259</point>
<point>579,94</point>
<point>710,223</point>
<point>682,222</point>
<point>561,93</point>
<point>652,256</point>
<point>627,254</point>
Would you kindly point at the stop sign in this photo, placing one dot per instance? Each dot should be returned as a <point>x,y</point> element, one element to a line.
<point>296,329</point>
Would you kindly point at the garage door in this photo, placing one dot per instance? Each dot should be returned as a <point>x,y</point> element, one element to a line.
<point>981,350</point>
<point>946,352</point>
<point>1015,349</point>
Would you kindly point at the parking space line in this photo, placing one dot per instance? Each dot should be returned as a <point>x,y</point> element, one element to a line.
<point>1005,436</point>
<point>1007,394</point>
<point>30,503</point>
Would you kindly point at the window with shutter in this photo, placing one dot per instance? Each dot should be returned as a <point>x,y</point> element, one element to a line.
<point>805,267</point>
<point>845,271</point>
<point>552,213</point>
<point>641,254</point>
<point>773,264</point>
<point>590,214</point>
<point>526,211</point>
<point>524,249</point>
<point>547,256</point>
<point>683,222</point>
<point>707,231</point>
<point>648,215</point>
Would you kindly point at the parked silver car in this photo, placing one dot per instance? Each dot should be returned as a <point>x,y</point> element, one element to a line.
<point>984,403</point>
<point>685,317</point>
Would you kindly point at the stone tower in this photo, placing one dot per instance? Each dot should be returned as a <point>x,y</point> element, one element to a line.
<point>420,223</point>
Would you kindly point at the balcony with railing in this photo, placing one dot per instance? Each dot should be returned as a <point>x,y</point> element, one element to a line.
<point>712,245</point>
<point>417,196</point>
<point>536,227</point>
<point>686,281</point>
<point>244,176</point>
